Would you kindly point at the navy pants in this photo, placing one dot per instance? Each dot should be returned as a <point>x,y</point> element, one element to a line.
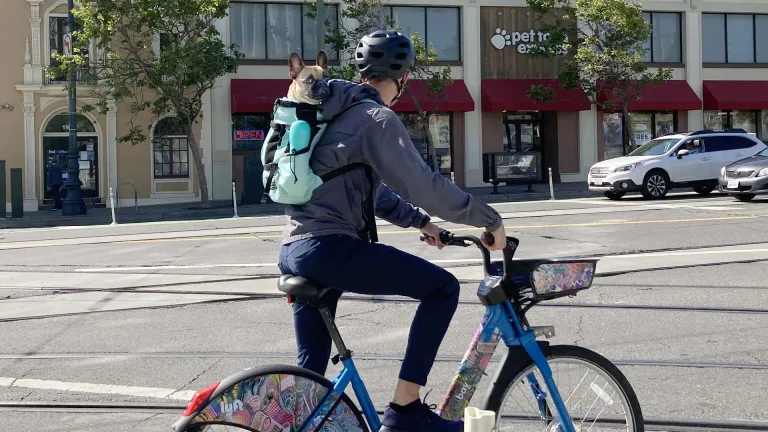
<point>351,265</point>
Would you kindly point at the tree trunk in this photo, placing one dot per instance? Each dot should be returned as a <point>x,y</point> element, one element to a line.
<point>199,167</point>
<point>628,130</point>
<point>425,124</point>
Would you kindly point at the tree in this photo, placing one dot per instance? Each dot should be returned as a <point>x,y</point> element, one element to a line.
<point>171,81</point>
<point>608,36</point>
<point>361,17</point>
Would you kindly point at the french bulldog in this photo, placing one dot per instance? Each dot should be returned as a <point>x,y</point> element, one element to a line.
<point>309,82</point>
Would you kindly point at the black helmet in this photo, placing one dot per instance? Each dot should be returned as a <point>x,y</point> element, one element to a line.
<point>384,54</point>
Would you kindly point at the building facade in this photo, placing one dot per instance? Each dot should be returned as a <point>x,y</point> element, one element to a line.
<point>718,51</point>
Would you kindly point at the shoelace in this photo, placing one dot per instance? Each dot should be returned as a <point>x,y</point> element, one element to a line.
<point>430,414</point>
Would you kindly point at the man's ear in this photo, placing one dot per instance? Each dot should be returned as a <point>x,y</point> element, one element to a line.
<point>322,60</point>
<point>295,65</point>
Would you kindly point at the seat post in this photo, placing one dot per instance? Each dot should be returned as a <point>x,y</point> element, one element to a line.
<point>344,353</point>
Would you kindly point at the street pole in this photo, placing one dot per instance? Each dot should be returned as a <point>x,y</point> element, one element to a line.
<point>73,204</point>
<point>320,24</point>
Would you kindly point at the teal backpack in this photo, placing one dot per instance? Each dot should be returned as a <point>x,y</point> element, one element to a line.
<point>288,179</point>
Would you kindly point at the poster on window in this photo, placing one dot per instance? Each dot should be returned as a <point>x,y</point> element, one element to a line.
<point>614,137</point>
<point>641,127</point>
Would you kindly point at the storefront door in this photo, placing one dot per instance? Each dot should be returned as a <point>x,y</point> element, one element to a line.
<point>522,134</point>
<point>56,143</point>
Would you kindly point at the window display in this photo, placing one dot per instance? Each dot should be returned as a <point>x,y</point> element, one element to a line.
<point>440,128</point>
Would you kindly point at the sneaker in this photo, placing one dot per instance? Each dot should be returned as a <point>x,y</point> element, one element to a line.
<point>420,418</point>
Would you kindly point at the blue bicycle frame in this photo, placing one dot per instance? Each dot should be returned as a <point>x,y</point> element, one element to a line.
<point>500,321</point>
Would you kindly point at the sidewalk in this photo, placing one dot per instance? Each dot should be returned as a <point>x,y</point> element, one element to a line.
<point>224,209</point>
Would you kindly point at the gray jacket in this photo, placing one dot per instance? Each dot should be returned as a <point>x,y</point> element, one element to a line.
<point>373,134</point>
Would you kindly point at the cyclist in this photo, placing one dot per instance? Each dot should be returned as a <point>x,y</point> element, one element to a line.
<point>326,240</point>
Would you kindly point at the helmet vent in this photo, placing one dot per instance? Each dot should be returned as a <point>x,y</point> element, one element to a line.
<point>377,54</point>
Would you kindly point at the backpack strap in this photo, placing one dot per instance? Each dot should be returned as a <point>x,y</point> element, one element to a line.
<point>369,212</point>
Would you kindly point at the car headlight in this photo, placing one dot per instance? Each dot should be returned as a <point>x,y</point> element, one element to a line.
<point>629,167</point>
<point>763,172</point>
<point>722,171</point>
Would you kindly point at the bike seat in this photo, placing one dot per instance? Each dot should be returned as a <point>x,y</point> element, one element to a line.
<point>301,290</point>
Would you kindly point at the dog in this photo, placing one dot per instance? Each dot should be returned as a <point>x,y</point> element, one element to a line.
<point>309,84</point>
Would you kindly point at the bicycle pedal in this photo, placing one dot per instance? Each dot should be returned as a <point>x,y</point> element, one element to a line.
<point>546,331</point>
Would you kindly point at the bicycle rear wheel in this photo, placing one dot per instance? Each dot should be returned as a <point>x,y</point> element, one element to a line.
<point>596,394</point>
<point>273,399</point>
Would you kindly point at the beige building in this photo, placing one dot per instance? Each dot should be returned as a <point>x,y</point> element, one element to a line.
<point>718,51</point>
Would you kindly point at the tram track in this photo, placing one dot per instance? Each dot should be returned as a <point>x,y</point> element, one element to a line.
<point>357,356</point>
<point>239,296</point>
<point>651,423</point>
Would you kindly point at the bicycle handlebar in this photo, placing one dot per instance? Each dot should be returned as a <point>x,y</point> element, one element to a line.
<point>450,239</point>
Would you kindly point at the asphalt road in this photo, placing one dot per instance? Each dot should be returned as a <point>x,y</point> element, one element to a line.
<point>152,312</point>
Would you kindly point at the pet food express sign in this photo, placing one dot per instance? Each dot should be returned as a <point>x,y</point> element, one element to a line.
<point>523,42</point>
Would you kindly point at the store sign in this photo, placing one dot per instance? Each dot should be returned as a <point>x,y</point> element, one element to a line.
<point>643,132</point>
<point>249,135</point>
<point>522,41</point>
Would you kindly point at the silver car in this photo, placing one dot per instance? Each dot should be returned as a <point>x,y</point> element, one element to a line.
<point>746,178</point>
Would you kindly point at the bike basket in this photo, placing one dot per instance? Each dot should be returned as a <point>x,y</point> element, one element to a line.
<point>550,279</point>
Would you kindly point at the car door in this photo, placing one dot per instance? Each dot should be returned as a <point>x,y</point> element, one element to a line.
<point>725,149</point>
<point>692,167</point>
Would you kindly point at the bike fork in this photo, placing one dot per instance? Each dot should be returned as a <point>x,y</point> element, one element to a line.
<point>528,342</point>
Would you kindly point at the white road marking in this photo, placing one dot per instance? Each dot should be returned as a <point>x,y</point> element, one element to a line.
<point>153,392</point>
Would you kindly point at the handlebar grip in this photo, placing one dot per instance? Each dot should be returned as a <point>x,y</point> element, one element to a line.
<point>488,237</point>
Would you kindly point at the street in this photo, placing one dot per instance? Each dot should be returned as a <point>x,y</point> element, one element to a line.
<point>149,313</point>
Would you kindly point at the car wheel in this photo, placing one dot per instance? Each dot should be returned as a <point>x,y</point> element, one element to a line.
<point>744,197</point>
<point>614,195</point>
<point>703,189</point>
<point>655,185</point>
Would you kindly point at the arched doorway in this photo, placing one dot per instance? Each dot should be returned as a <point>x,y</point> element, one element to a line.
<point>56,143</point>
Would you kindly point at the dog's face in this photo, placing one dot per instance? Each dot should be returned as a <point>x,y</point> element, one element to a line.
<point>309,84</point>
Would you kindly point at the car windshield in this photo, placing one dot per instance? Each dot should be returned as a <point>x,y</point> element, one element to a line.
<point>655,147</point>
<point>763,153</point>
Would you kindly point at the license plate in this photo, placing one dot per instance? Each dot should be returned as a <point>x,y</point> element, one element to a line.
<point>733,184</point>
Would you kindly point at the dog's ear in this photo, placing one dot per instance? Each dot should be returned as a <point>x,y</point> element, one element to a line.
<point>295,65</point>
<point>322,60</point>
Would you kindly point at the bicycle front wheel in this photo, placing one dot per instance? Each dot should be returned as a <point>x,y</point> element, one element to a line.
<point>596,394</point>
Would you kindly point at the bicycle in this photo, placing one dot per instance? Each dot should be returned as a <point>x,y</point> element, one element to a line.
<point>279,398</point>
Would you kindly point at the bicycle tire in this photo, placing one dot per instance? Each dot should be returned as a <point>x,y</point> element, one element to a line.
<point>264,399</point>
<point>517,361</point>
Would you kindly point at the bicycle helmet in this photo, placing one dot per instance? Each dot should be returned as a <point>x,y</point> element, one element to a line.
<point>384,54</point>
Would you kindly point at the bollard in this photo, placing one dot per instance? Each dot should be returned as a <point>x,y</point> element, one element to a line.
<point>551,187</point>
<point>112,204</point>
<point>3,196</point>
<point>234,199</point>
<point>477,420</point>
<point>17,194</point>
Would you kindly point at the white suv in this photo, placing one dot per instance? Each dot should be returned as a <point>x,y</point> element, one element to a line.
<point>673,161</point>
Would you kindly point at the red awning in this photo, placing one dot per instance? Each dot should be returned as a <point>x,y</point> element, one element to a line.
<point>511,95</point>
<point>735,95</point>
<point>455,98</point>
<point>257,95</point>
<point>671,95</point>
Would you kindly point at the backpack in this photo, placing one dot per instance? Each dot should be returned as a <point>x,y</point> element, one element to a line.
<point>287,177</point>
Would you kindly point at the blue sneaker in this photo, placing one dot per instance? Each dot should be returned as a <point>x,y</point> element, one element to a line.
<point>418,418</point>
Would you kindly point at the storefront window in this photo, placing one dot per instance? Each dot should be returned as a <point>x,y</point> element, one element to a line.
<point>763,134</point>
<point>440,128</point>
<point>746,120</point>
<point>642,127</point>
<point>715,120</point>
<point>645,127</point>
<point>614,135</point>
<point>665,124</point>
<point>249,131</point>
<point>751,121</point>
